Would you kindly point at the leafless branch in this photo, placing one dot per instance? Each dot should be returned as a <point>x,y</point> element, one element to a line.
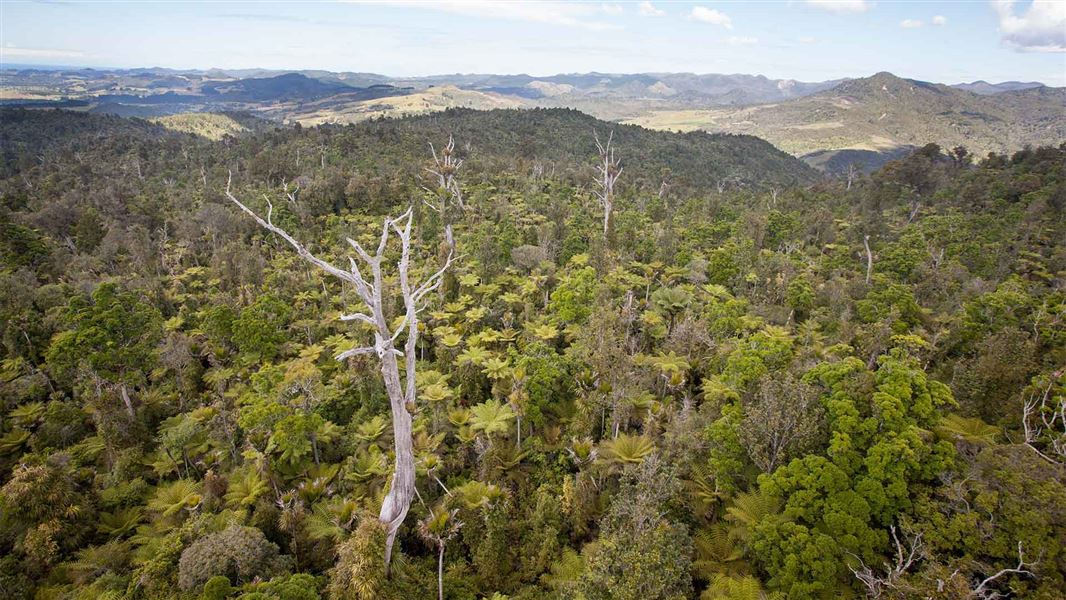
<point>609,169</point>
<point>877,584</point>
<point>401,394</point>
<point>981,592</point>
<point>1044,421</point>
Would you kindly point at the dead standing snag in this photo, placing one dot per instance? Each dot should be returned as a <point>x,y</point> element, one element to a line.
<point>401,390</point>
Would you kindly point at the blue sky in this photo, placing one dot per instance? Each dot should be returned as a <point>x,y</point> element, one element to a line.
<point>808,40</point>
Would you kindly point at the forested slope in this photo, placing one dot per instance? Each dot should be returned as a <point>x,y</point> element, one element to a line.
<point>722,397</point>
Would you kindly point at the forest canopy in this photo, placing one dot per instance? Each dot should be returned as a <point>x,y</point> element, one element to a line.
<point>642,365</point>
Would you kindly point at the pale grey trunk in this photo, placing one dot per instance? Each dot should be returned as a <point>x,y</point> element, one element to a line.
<point>869,258</point>
<point>397,501</point>
<point>449,238</point>
<point>440,573</point>
<point>126,399</point>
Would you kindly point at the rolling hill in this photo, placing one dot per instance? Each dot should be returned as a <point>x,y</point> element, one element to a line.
<point>557,139</point>
<point>985,88</point>
<point>350,108</point>
<point>831,124</point>
<point>213,126</point>
<point>881,114</point>
<point>282,94</point>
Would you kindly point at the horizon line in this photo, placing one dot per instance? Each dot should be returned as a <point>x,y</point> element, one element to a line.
<point>60,67</point>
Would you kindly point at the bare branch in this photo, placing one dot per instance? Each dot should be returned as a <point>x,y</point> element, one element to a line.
<point>877,585</point>
<point>397,501</point>
<point>300,249</point>
<point>359,317</point>
<point>356,352</point>
<point>609,170</point>
<point>433,282</point>
<point>982,593</point>
<point>363,254</point>
<point>1044,421</point>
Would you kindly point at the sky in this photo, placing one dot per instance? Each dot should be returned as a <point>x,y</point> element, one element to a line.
<point>807,40</point>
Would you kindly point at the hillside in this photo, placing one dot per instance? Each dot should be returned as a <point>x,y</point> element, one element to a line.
<point>344,109</point>
<point>314,96</point>
<point>564,138</point>
<point>560,139</point>
<point>716,393</point>
<point>875,118</point>
<point>985,88</point>
<point>212,126</point>
<point>884,113</point>
<point>280,88</point>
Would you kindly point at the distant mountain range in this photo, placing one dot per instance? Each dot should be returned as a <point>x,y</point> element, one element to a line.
<point>830,123</point>
<point>987,89</point>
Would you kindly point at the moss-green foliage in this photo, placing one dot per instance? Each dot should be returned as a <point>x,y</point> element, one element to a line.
<point>238,553</point>
<point>603,417</point>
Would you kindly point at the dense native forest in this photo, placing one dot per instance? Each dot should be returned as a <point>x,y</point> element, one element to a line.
<point>546,361</point>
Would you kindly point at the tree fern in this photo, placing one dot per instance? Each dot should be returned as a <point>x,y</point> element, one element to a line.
<point>626,449</point>
<point>717,553</point>
<point>119,523</point>
<point>746,510</point>
<point>244,491</point>
<point>972,430</point>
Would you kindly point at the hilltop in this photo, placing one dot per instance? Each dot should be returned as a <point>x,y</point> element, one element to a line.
<point>831,124</point>
<point>561,139</point>
<point>883,114</point>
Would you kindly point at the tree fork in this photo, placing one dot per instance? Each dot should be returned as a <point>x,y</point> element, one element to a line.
<point>402,393</point>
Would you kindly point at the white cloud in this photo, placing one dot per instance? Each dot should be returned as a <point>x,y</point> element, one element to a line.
<point>709,15</point>
<point>741,40</point>
<point>647,9</point>
<point>808,39</point>
<point>841,6</point>
<point>11,51</point>
<point>1042,27</point>
<point>939,20</point>
<point>910,24</point>
<point>612,9</point>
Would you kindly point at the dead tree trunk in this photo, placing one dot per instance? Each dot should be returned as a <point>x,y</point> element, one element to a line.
<point>126,399</point>
<point>401,391</point>
<point>608,171</point>
<point>869,258</point>
<point>449,195</point>
<point>852,174</point>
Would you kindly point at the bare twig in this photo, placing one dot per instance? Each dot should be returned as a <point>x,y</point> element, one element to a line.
<point>981,592</point>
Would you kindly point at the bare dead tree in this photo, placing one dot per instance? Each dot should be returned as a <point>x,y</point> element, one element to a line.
<point>869,258</point>
<point>1044,420</point>
<point>608,170</point>
<point>401,391</point>
<point>916,205</point>
<point>293,194</point>
<point>936,256</point>
<point>664,187</point>
<point>852,174</point>
<point>449,194</point>
<point>981,592</point>
<point>877,585</point>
